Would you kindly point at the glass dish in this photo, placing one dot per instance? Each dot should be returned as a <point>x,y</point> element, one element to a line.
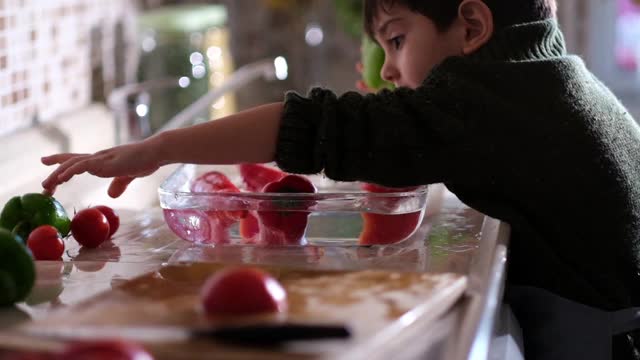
<point>338,214</point>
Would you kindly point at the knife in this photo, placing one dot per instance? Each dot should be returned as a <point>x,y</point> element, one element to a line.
<point>252,334</point>
<point>266,334</point>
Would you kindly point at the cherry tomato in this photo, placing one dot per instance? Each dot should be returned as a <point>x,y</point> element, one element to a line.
<point>90,227</point>
<point>112,218</point>
<point>242,291</point>
<point>45,243</point>
<point>105,350</point>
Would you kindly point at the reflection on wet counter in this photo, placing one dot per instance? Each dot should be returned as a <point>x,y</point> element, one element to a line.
<point>445,242</point>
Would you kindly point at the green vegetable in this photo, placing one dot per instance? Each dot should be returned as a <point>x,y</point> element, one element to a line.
<point>17,270</point>
<point>372,61</point>
<point>24,213</point>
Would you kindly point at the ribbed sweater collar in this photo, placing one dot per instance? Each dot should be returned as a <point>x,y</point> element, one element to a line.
<point>524,42</point>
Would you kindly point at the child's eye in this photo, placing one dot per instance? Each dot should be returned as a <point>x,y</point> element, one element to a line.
<point>396,41</point>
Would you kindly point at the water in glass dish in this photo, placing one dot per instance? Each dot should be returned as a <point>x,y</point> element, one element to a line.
<point>291,227</point>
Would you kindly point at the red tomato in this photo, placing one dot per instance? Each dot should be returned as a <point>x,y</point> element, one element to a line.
<point>384,189</point>
<point>280,226</point>
<point>188,224</point>
<point>45,243</point>
<point>213,181</point>
<point>112,218</point>
<point>256,176</point>
<point>242,291</point>
<point>217,182</point>
<point>249,227</point>
<point>90,227</point>
<point>105,350</point>
<point>383,229</point>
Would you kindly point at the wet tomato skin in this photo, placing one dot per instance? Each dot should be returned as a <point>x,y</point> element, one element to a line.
<point>90,227</point>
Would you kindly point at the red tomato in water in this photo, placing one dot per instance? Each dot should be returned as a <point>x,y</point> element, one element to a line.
<point>256,176</point>
<point>45,243</point>
<point>217,182</point>
<point>242,291</point>
<point>90,227</point>
<point>383,229</point>
<point>105,350</point>
<point>112,218</point>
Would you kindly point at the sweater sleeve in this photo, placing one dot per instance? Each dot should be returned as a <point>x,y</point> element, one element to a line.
<point>393,138</point>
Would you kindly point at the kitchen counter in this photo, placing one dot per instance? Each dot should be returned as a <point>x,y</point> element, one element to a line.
<point>455,239</point>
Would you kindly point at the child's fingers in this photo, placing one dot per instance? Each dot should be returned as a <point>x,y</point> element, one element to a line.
<point>83,165</point>
<point>58,158</point>
<point>360,85</point>
<point>359,67</point>
<point>49,192</point>
<point>54,178</point>
<point>119,185</point>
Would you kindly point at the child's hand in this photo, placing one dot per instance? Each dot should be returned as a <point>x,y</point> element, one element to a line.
<point>123,163</point>
<point>360,84</point>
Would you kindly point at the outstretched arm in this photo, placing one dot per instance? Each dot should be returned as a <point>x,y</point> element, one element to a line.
<point>248,136</point>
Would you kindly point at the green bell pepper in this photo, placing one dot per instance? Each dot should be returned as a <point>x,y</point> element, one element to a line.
<point>22,214</point>
<point>372,61</point>
<point>17,269</point>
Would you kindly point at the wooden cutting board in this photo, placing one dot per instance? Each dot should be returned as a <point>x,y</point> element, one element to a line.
<point>376,305</point>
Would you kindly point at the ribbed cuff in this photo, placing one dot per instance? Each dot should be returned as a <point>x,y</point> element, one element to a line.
<point>302,135</point>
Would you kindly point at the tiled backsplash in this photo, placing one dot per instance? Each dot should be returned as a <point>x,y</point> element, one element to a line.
<point>55,55</point>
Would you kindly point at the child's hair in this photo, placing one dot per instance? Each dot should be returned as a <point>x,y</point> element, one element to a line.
<point>444,12</point>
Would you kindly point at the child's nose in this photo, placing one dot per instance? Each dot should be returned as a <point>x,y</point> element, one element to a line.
<point>389,72</point>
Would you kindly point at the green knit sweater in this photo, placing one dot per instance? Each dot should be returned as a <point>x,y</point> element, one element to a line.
<point>520,131</point>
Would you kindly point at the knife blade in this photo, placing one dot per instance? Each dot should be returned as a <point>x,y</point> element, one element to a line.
<point>250,334</point>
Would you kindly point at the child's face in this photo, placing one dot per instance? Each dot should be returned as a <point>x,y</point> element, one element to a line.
<point>412,45</point>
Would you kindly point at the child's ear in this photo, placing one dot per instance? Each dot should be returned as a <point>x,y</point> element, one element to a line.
<point>477,19</point>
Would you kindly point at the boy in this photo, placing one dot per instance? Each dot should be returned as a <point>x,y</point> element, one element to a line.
<point>488,103</point>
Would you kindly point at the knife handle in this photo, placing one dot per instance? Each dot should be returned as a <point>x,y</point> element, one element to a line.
<point>273,334</point>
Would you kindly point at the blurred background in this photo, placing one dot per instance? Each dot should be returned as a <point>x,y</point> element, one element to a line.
<point>81,75</point>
